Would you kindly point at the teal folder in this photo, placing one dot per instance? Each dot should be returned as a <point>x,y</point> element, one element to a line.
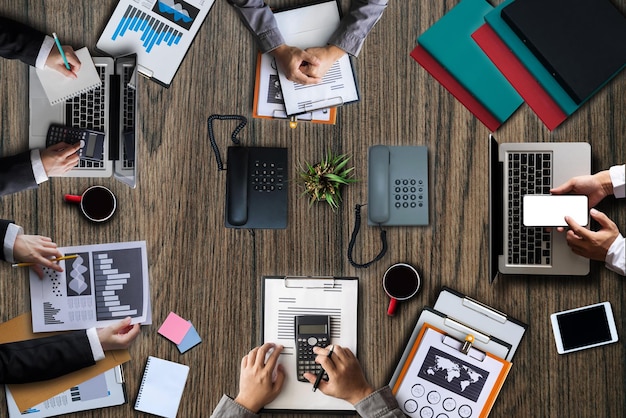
<point>449,41</point>
<point>532,64</point>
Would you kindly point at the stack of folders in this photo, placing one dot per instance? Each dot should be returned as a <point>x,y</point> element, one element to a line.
<point>552,54</point>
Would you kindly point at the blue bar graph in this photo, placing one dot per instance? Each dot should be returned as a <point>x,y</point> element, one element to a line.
<point>153,32</point>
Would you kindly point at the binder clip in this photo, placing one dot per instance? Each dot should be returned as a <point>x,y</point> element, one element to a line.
<point>467,344</point>
<point>293,122</point>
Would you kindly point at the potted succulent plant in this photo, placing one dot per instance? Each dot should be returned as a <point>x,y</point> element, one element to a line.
<point>322,181</point>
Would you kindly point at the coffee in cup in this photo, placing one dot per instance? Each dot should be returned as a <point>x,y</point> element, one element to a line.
<point>401,281</point>
<point>97,203</point>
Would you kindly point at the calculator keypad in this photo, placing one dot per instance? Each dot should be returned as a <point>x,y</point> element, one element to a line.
<point>306,357</point>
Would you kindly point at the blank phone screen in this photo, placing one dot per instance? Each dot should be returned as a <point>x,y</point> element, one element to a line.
<point>585,327</point>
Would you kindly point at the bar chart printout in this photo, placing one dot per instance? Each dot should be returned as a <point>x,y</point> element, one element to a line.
<point>103,284</point>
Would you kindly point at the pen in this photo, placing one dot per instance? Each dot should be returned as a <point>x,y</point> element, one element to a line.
<point>320,375</point>
<point>65,257</point>
<point>56,40</point>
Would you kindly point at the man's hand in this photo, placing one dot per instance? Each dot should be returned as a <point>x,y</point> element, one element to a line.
<point>55,61</point>
<point>345,377</point>
<point>596,187</point>
<point>327,56</point>
<point>260,381</point>
<point>36,249</point>
<point>590,244</point>
<point>296,64</point>
<point>59,158</point>
<point>118,336</point>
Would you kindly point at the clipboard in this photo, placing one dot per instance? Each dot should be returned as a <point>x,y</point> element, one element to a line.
<point>437,377</point>
<point>307,26</point>
<point>268,102</point>
<point>474,314</point>
<point>284,297</point>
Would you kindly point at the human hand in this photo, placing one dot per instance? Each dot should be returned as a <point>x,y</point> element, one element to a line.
<point>36,249</point>
<point>345,377</point>
<point>327,56</point>
<point>590,244</point>
<point>258,384</point>
<point>55,61</point>
<point>293,62</point>
<point>118,336</point>
<point>596,187</point>
<point>59,158</point>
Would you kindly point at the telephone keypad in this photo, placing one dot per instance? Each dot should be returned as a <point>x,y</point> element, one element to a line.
<point>408,193</point>
<point>267,176</point>
<point>306,356</point>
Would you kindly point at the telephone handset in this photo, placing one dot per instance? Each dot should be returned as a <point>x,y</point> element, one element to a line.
<point>256,182</point>
<point>397,183</point>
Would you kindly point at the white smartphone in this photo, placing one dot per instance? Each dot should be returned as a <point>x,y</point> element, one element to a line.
<point>551,209</point>
<point>585,327</point>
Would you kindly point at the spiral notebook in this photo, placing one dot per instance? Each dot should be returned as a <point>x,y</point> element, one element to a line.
<point>59,88</point>
<point>161,387</point>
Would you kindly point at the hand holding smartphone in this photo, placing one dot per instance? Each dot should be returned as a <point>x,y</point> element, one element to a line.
<point>551,210</point>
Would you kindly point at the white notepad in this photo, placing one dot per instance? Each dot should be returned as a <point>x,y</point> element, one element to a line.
<point>161,387</point>
<point>59,88</point>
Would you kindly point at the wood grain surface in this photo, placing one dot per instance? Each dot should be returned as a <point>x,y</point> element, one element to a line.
<point>211,275</point>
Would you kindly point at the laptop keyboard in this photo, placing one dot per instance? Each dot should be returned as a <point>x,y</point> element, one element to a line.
<point>529,173</point>
<point>87,111</point>
<point>128,113</point>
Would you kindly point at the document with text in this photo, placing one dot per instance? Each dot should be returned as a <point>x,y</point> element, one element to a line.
<point>286,297</point>
<point>312,26</point>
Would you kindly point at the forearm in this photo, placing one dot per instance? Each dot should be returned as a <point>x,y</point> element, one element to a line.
<point>44,358</point>
<point>357,24</point>
<point>617,175</point>
<point>19,41</point>
<point>380,404</point>
<point>228,408</point>
<point>260,21</point>
<point>16,173</point>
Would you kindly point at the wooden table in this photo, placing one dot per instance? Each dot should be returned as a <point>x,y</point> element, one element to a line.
<point>211,275</point>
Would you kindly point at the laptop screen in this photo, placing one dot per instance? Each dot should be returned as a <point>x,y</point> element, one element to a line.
<point>495,208</point>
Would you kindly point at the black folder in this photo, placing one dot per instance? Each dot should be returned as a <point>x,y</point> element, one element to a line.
<point>581,42</point>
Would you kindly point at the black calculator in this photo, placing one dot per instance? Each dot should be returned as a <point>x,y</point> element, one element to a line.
<point>93,148</point>
<point>310,331</point>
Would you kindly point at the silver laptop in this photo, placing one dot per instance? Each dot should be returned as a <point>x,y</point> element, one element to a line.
<point>110,109</point>
<point>516,169</point>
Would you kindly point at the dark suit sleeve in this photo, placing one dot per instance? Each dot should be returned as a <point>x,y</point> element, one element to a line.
<point>16,173</point>
<point>44,358</point>
<point>4,225</point>
<point>19,41</point>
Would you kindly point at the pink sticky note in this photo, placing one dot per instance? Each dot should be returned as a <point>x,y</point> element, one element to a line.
<point>174,328</point>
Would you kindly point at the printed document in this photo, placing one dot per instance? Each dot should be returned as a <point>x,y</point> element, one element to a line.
<point>312,26</point>
<point>286,297</point>
<point>104,284</point>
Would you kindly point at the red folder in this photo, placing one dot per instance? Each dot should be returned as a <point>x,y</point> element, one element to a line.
<point>449,82</point>
<point>512,68</point>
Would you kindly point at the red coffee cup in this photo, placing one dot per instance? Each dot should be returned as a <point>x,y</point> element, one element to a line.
<point>97,203</point>
<point>401,281</point>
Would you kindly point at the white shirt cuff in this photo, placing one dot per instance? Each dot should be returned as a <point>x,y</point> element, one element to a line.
<point>44,51</point>
<point>616,256</point>
<point>9,241</point>
<point>94,342</point>
<point>38,169</point>
<point>618,174</point>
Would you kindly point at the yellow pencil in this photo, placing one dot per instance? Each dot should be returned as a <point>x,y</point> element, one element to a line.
<point>65,257</point>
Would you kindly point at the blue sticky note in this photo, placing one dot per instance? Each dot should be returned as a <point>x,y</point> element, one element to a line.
<point>190,340</point>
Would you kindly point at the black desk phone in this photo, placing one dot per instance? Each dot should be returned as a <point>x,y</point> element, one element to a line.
<point>397,185</point>
<point>256,187</point>
<point>310,331</point>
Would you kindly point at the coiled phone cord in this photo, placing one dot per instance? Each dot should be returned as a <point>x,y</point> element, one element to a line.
<point>355,232</point>
<point>242,123</point>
